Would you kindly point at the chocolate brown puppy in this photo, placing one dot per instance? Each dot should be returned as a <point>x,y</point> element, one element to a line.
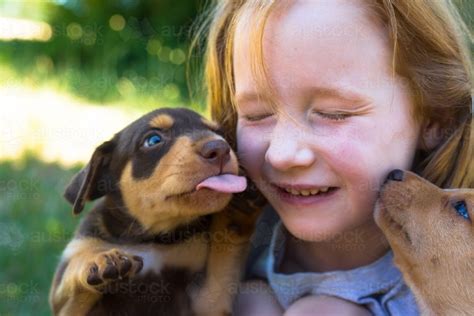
<point>168,236</point>
<point>432,236</point>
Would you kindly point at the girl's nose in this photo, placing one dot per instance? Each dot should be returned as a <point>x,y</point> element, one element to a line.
<point>289,148</point>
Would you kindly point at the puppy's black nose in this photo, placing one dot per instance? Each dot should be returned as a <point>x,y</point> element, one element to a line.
<point>395,175</point>
<point>215,151</point>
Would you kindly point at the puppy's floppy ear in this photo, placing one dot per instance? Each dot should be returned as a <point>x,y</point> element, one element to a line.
<point>92,181</point>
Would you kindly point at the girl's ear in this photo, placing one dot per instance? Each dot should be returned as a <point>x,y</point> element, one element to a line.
<point>430,136</point>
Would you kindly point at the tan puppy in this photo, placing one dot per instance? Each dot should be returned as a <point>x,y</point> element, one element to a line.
<point>431,233</point>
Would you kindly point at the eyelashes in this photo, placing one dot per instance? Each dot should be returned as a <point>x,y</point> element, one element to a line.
<point>255,118</point>
<point>333,117</point>
<point>337,117</point>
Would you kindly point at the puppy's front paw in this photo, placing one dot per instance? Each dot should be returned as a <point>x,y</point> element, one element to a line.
<point>112,265</point>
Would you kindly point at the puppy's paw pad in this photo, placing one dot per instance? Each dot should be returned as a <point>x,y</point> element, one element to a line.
<point>113,265</point>
<point>121,264</point>
<point>110,272</point>
<point>93,278</point>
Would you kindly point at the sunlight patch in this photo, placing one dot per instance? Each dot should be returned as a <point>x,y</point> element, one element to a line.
<point>22,29</point>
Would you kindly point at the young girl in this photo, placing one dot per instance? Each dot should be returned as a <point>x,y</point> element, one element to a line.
<point>323,98</point>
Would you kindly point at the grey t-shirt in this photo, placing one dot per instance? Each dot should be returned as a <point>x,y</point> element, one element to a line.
<point>378,286</point>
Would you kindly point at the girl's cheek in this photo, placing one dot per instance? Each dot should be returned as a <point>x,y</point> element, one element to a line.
<point>250,149</point>
<point>348,158</point>
<point>354,163</point>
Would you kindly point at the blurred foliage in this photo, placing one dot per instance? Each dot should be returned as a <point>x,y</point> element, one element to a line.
<point>115,50</point>
<point>109,50</point>
<point>35,225</point>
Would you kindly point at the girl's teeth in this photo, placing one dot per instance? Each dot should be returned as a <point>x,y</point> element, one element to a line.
<point>307,192</point>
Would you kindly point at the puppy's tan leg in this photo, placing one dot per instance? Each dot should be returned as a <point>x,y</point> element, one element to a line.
<point>230,236</point>
<point>88,266</point>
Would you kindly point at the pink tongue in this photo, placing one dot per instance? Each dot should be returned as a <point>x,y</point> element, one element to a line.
<point>227,183</point>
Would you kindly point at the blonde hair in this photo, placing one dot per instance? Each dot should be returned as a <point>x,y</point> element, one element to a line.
<point>430,49</point>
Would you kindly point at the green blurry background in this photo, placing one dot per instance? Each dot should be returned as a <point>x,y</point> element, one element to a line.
<point>67,84</point>
<point>105,50</point>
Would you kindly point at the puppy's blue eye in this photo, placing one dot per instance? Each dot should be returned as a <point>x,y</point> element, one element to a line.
<point>152,140</point>
<point>461,208</point>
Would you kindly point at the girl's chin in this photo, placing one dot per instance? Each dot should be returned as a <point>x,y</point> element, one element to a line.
<point>331,229</point>
<point>312,232</point>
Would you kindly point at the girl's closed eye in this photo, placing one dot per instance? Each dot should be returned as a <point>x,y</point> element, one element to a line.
<point>333,116</point>
<point>253,113</point>
<point>256,117</point>
<point>341,113</point>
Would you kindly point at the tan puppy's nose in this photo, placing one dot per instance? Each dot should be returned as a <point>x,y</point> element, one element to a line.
<point>215,151</point>
<point>395,175</point>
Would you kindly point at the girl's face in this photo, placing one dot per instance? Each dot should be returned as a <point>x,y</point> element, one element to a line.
<point>343,120</point>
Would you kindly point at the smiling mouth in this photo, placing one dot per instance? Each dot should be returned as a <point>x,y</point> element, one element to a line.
<point>305,192</point>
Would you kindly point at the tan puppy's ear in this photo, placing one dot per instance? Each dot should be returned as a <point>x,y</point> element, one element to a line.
<point>430,136</point>
<point>92,181</point>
